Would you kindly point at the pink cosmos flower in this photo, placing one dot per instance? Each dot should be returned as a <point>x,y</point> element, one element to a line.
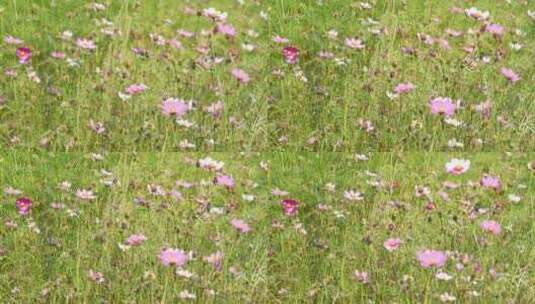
<point>491,181</point>
<point>224,180</point>
<point>392,244</point>
<point>173,106</point>
<point>185,33</point>
<point>85,44</point>
<point>510,75</point>
<point>135,239</point>
<point>24,54</point>
<point>290,54</point>
<point>136,89</point>
<point>354,43</point>
<point>216,259</point>
<point>491,226</point>
<point>290,207</point>
<point>86,195</point>
<point>281,40</point>
<point>240,75</point>
<point>96,276</point>
<point>57,55</point>
<point>403,88</point>
<point>172,256</point>
<point>240,225</point>
<point>442,106</point>
<point>12,40</point>
<point>495,29</point>
<point>457,166</point>
<point>475,13</point>
<point>361,277</point>
<point>24,205</point>
<point>226,29</point>
<point>215,109</point>
<point>429,258</point>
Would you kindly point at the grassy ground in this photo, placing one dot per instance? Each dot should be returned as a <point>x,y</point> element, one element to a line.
<point>284,125</point>
<point>310,257</point>
<point>277,109</point>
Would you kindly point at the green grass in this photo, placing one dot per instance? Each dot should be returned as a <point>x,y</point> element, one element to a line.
<point>276,265</point>
<point>321,114</point>
<point>302,121</point>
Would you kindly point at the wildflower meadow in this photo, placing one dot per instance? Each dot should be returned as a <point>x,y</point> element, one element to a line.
<point>267,151</point>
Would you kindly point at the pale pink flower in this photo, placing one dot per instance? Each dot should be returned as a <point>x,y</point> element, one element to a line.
<point>85,44</point>
<point>442,106</point>
<point>216,259</point>
<point>510,75</point>
<point>495,29</point>
<point>240,225</point>
<point>210,164</point>
<point>240,75</point>
<point>135,89</point>
<point>491,181</point>
<point>185,33</point>
<point>224,180</point>
<point>281,40</point>
<point>172,256</point>
<point>12,40</point>
<point>361,276</point>
<point>226,29</point>
<point>475,13</point>
<point>392,244</point>
<point>491,226</point>
<point>352,195</point>
<point>135,239</point>
<point>57,55</point>
<point>215,109</point>
<point>403,88</point>
<point>173,106</point>
<point>96,277</point>
<point>429,258</point>
<point>457,166</point>
<point>354,43</point>
<point>86,195</point>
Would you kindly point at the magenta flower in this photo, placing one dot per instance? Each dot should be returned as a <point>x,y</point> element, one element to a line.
<point>135,239</point>
<point>289,206</point>
<point>392,244</point>
<point>136,89</point>
<point>24,205</point>
<point>224,180</point>
<point>403,88</point>
<point>173,106</point>
<point>226,29</point>
<point>240,225</point>
<point>240,75</point>
<point>510,75</point>
<point>429,258</point>
<point>24,54</point>
<point>491,226</point>
<point>290,54</point>
<point>491,181</point>
<point>442,106</point>
<point>172,256</point>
